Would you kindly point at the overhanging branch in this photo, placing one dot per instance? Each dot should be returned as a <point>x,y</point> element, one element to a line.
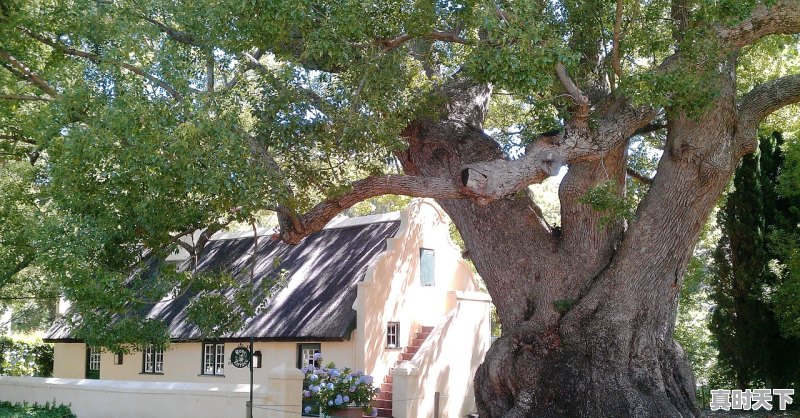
<point>413,186</point>
<point>22,71</point>
<point>98,59</point>
<point>762,100</point>
<point>782,18</point>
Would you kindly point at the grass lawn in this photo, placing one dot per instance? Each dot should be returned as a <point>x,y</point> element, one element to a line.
<point>26,410</point>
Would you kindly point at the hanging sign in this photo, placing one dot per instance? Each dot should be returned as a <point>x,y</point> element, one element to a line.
<point>240,357</point>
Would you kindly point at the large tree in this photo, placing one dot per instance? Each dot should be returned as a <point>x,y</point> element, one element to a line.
<point>148,118</point>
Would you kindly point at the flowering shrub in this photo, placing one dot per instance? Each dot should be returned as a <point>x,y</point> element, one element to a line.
<point>328,389</point>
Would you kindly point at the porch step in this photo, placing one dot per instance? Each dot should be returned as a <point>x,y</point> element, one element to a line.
<point>382,403</point>
<point>406,356</point>
<point>387,378</point>
<point>412,349</point>
<point>426,330</point>
<point>386,387</point>
<point>416,342</point>
<point>385,396</point>
<point>385,412</point>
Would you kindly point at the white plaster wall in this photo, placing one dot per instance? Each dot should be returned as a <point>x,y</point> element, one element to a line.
<point>391,290</point>
<point>132,399</point>
<point>446,363</point>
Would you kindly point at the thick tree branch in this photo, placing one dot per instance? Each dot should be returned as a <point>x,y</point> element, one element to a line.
<point>782,18</point>
<point>414,186</point>
<point>389,44</point>
<point>615,52</point>
<point>98,59</point>
<point>581,100</point>
<point>762,100</point>
<point>22,70</point>
<point>177,35</point>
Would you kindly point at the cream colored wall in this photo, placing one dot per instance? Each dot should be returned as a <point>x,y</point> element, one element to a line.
<point>391,290</point>
<point>69,360</point>
<point>446,363</point>
<point>182,362</point>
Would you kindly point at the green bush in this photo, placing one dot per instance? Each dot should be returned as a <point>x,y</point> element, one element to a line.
<point>26,410</point>
<point>25,358</point>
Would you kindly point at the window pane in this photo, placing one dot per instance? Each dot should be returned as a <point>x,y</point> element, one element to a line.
<point>220,359</point>
<point>426,267</point>
<point>159,363</point>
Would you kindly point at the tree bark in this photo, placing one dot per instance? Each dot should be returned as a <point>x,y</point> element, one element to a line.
<point>587,310</point>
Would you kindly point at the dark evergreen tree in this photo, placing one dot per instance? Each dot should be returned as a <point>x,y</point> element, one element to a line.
<point>752,351</point>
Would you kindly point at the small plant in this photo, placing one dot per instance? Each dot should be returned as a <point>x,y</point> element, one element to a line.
<point>28,410</point>
<point>328,389</point>
<point>563,305</point>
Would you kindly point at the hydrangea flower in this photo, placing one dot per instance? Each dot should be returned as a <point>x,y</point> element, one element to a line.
<point>306,393</point>
<point>330,403</point>
<point>352,389</point>
<point>330,386</point>
<point>368,379</point>
<point>307,409</point>
<point>317,356</point>
<point>346,399</point>
<point>313,377</point>
<point>338,400</point>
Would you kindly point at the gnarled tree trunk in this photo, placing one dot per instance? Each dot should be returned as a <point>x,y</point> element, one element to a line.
<point>587,310</point>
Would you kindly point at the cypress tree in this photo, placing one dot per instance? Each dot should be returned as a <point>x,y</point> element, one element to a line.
<point>752,351</point>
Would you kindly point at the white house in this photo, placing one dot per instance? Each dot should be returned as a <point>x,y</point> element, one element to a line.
<point>387,294</point>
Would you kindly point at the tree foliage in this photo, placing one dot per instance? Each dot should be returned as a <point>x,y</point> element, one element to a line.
<point>747,274</point>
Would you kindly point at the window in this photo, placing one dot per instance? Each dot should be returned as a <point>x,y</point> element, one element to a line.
<point>393,335</point>
<point>426,267</point>
<point>152,360</point>
<point>92,363</point>
<point>213,359</point>
<point>118,358</point>
<point>305,355</point>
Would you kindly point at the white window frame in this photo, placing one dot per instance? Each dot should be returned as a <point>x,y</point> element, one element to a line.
<point>152,360</point>
<point>307,351</point>
<point>94,358</point>
<point>392,335</point>
<point>213,359</point>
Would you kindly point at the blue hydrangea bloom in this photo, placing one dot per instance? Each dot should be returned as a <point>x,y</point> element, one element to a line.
<point>368,380</point>
<point>352,389</point>
<point>346,398</point>
<point>338,400</point>
<point>307,409</point>
<point>330,386</point>
<point>330,403</point>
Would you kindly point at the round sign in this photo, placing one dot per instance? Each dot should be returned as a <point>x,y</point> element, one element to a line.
<point>240,357</point>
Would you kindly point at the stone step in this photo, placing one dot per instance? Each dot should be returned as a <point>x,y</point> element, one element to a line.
<point>382,403</point>
<point>387,378</point>
<point>383,412</point>
<point>412,349</point>
<point>385,396</point>
<point>386,387</point>
<point>406,356</point>
<point>416,342</point>
<point>426,329</point>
